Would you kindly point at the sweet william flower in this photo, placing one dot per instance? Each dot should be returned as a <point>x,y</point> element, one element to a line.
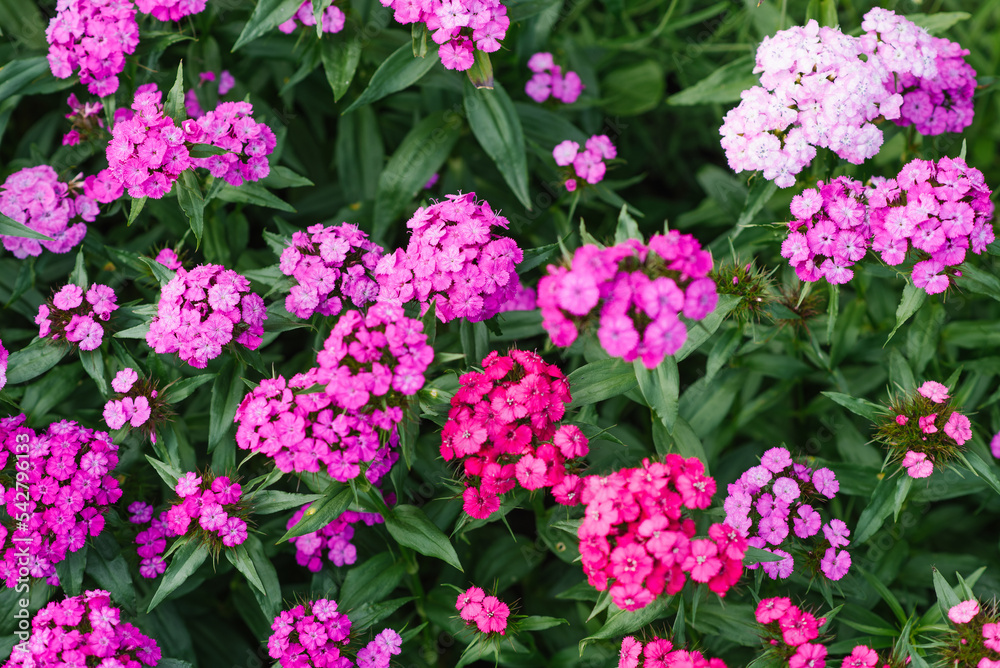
<point>964,611</point>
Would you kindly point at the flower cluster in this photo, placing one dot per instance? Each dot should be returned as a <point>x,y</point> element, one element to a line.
<point>68,316</point>
<point>333,18</point>
<point>792,631</point>
<point>103,187</point>
<point>315,633</point>
<point>938,210</point>
<point>488,613</point>
<point>139,403</point>
<point>460,27</point>
<point>523,299</point>
<point>35,197</point>
<point>634,291</point>
<point>975,641</point>
<point>548,79</point>
<point>93,37</point>
<point>247,143</point>
<point>335,537</point>
<point>81,628</point>
<point>588,164</point>
<point>367,367</point>
<point>3,365</point>
<point>147,151</point>
<point>215,504</point>
<point>634,533</point>
<point>85,119</point>
<point>67,474</point>
<point>329,263</point>
<point>660,653</point>
<point>504,426</point>
<point>930,72</point>
<point>777,498</point>
<point>191,103</point>
<point>170,10</point>
<point>453,260</point>
<point>924,430</point>
<point>816,91</point>
<point>202,310</point>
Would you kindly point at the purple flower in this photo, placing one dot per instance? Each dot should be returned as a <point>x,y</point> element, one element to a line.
<point>835,564</point>
<point>825,482</point>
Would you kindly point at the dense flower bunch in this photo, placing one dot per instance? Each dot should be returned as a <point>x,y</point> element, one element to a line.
<point>975,641</point>
<point>147,151</point>
<point>68,316</point>
<point>335,537</point>
<point>487,613</point>
<point>634,291</point>
<point>816,91</point>
<point>139,403</point>
<point>85,118</point>
<point>937,210</point>
<point>215,506</point>
<point>67,473</point>
<point>170,10</point>
<point>204,309</point>
<point>84,630</point>
<point>504,426</point>
<point>634,533</point>
<point>333,18</point>
<point>191,103</point>
<point>3,365</point>
<point>548,80</point>
<point>792,630</point>
<point>660,653</point>
<point>924,430</point>
<point>93,37</point>
<point>368,365</point>
<point>459,26</point>
<point>329,263</point>
<point>316,634</point>
<point>777,498</point>
<point>523,299</point>
<point>588,164</point>
<point>454,260</point>
<point>35,197</point>
<point>930,72</point>
<point>247,143</point>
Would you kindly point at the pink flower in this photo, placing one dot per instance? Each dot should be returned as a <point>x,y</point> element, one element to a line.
<point>917,464</point>
<point>991,636</point>
<point>628,655</point>
<point>808,656</point>
<point>835,564</point>
<point>964,611</point>
<point>934,391</point>
<point>188,484</point>
<point>901,420</point>
<point>927,423</point>
<point>772,609</point>
<point>958,427</point>
<point>124,380</point>
<point>565,152</point>
<point>493,617</point>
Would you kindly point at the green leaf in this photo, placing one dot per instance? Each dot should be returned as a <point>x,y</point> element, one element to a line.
<point>883,591</point>
<point>938,22</point>
<point>340,62</point>
<point>192,202</point>
<point>11,228</point>
<point>168,473</point>
<point>240,558</point>
<point>480,75</point>
<point>660,387</point>
<point>273,501</point>
<point>227,393</point>
<point>633,89</point>
<point>627,228</point>
<point>975,279</point>
<point>16,75</point>
<point>70,571</point>
<point>160,272</point>
<point>722,352</point>
<point>702,330</point>
<point>173,106</point>
<point>180,390</point>
<point>879,508</point>
<point>862,407</point>
<point>134,210</point>
<point>253,193</point>
<point>683,440</point>
<point>538,623</point>
<point>267,15</point>
<point>722,86</point>
<point>204,151</point>
<point>760,193</point>
<point>269,598</point>
<point>410,527</point>
<point>372,612</point>
<point>946,596</point>
<point>600,380</point>
<point>423,151</point>
<point>93,364</point>
<point>399,71</point>
<point>418,39</point>
<point>184,562</point>
<point>496,126</point>
<point>33,360</point>
<point>911,301</point>
<point>335,501</point>
<point>113,576</point>
<point>755,555</point>
<point>979,466</point>
<point>370,581</point>
<point>622,622</point>
<point>534,257</point>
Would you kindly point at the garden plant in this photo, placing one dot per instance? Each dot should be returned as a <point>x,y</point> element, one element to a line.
<point>531,333</point>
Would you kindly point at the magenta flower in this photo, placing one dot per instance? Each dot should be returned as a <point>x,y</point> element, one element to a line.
<point>934,391</point>
<point>772,609</point>
<point>917,464</point>
<point>927,423</point>
<point>901,420</point>
<point>835,564</point>
<point>493,616</point>
<point>964,611</point>
<point>958,427</point>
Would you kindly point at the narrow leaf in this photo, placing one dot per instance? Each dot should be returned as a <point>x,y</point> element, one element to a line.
<point>334,502</point>
<point>600,380</point>
<point>11,228</point>
<point>660,387</point>
<point>184,562</point>
<point>497,128</point>
<point>267,15</point>
<point>399,71</point>
<point>411,527</point>
<point>340,62</point>
<point>34,360</point>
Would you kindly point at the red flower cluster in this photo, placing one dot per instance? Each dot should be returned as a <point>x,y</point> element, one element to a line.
<point>633,533</point>
<point>504,424</point>
<point>792,630</point>
<point>660,653</point>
